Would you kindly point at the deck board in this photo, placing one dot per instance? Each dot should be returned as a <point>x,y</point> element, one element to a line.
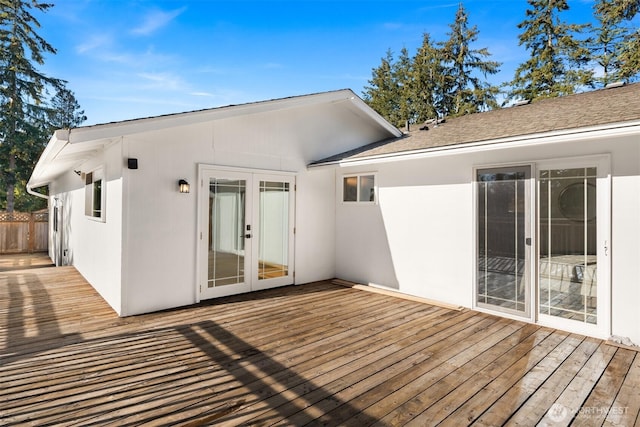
<point>298,355</point>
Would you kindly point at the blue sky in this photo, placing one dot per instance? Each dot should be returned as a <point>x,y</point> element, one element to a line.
<point>137,58</point>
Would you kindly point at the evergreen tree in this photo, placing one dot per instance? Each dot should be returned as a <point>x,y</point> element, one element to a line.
<point>616,45</point>
<point>465,91</point>
<point>557,65</point>
<point>607,43</point>
<point>623,9</point>
<point>402,74</point>
<point>23,90</point>
<point>66,112</point>
<point>383,93</point>
<point>441,79</point>
<point>429,82</point>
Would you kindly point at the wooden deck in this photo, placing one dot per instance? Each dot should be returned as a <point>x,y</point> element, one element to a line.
<point>318,354</point>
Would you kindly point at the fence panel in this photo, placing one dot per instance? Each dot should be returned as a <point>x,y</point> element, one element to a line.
<point>24,232</point>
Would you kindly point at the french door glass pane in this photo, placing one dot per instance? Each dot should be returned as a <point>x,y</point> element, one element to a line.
<point>502,279</point>
<point>567,272</point>
<point>226,232</point>
<point>273,244</point>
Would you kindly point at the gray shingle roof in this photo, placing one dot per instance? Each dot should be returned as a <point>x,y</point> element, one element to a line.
<point>584,110</point>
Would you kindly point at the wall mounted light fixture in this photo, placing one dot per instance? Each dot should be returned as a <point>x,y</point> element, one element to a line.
<point>183,185</point>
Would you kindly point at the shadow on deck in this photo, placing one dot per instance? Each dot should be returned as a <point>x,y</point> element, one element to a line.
<point>299,355</point>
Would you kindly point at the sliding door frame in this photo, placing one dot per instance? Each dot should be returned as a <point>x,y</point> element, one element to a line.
<point>604,247</point>
<point>602,328</point>
<point>530,270</point>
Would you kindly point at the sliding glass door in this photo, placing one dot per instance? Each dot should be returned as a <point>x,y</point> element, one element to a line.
<point>503,239</point>
<point>555,255</point>
<point>573,223</point>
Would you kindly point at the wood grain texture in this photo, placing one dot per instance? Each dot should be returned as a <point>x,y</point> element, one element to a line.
<point>315,354</point>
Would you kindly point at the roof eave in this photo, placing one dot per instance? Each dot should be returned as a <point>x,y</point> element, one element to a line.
<point>57,142</point>
<point>616,129</point>
<point>128,127</point>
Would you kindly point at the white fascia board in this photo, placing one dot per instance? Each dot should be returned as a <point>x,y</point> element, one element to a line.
<point>68,148</point>
<point>394,131</point>
<point>61,155</point>
<point>57,142</point>
<point>598,132</point>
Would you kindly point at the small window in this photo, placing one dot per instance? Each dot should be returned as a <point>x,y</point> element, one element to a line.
<point>359,188</point>
<point>94,195</point>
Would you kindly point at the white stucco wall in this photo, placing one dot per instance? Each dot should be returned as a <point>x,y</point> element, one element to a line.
<point>625,241</point>
<point>160,229</point>
<point>94,247</point>
<point>420,238</point>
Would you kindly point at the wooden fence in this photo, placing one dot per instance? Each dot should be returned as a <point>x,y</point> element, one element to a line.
<point>24,232</point>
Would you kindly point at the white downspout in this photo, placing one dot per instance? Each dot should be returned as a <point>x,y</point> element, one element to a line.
<point>35,193</point>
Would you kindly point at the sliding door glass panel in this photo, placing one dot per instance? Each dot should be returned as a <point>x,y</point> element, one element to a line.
<point>567,277</point>
<point>273,239</point>
<point>503,224</point>
<point>226,232</point>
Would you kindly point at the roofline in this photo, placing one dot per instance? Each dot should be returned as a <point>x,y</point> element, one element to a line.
<point>109,131</point>
<point>58,141</point>
<point>130,126</point>
<point>624,128</point>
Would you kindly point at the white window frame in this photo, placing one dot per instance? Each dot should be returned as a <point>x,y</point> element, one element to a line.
<point>358,177</point>
<point>95,175</point>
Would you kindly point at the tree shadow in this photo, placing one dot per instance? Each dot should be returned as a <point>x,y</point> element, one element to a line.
<point>32,323</point>
<point>197,373</point>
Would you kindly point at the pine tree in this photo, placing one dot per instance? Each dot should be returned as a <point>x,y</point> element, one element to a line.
<point>66,111</point>
<point>383,93</point>
<point>428,81</point>
<point>402,74</point>
<point>616,45</point>
<point>607,43</point>
<point>22,89</point>
<point>557,65</point>
<point>466,92</point>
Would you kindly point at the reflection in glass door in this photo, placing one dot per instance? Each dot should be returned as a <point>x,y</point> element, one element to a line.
<point>567,276</point>
<point>226,252</point>
<point>247,231</point>
<point>273,239</point>
<point>503,243</point>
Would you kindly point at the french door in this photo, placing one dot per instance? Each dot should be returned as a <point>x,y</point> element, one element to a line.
<point>543,243</point>
<point>247,231</point>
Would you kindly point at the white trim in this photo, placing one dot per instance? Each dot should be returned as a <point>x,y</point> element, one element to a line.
<point>598,132</point>
<point>206,166</point>
<point>251,176</point>
<point>97,174</point>
<point>528,314</point>
<point>68,148</point>
<point>138,125</point>
<point>603,217</point>
<point>604,315</point>
<point>358,202</point>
